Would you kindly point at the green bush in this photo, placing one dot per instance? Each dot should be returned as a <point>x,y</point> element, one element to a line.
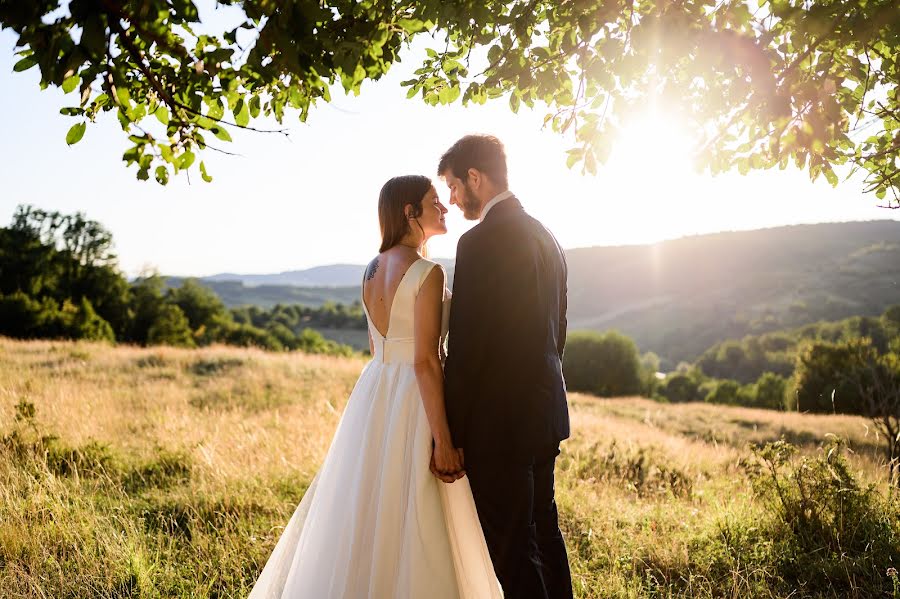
<point>313,342</point>
<point>20,315</point>
<point>813,530</point>
<point>199,304</point>
<point>170,327</point>
<point>728,392</point>
<point>680,388</point>
<point>82,322</point>
<point>825,374</point>
<point>837,535</point>
<point>26,317</point>
<point>769,392</point>
<point>605,364</point>
<point>246,335</point>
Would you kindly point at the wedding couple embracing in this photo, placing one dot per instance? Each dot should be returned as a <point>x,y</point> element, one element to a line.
<point>439,480</point>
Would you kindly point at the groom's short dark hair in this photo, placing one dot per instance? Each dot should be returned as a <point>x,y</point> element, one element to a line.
<point>481,152</point>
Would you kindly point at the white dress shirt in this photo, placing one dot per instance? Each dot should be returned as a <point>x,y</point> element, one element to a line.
<point>504,195</point>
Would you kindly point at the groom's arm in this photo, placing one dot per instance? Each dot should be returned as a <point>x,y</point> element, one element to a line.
<point>466,344</point>
<point>563,307</point>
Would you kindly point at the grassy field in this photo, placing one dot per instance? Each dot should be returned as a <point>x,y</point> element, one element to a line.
<point>161,472</point>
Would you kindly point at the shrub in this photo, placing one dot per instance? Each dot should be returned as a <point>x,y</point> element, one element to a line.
<point>311,341</point>
<point>823,381</point>
<point>603,364</point>
<point>170,328</point>
<point>680,388</point>
<point>769,391</point>
<point>199,304</point>
<point>840,534</point>
<point>20,315</point>
<point>643,470</point>
<point>728,392</point>
<point>23,316</point>
<point>246,335</point>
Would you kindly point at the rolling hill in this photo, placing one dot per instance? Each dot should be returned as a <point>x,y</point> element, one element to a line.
<point>679,297</point>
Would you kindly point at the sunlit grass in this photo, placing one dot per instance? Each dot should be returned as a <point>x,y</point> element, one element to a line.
<point>171,472</point>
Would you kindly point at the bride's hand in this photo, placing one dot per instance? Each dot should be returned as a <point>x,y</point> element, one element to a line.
<point>446,463</point>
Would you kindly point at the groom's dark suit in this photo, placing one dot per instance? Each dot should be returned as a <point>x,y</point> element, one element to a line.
<point>505,394</point>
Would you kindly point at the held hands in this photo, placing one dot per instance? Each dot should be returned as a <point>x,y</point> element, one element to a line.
<point>447,463</point>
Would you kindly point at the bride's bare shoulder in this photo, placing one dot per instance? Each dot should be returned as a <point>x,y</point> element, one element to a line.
<point>372,267</point>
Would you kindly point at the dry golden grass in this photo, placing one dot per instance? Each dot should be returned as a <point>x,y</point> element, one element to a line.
<point>174,470</point>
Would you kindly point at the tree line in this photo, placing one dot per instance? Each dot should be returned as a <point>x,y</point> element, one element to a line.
<point>823,367</point>
<point>59,279</point>
<point>850,366</point>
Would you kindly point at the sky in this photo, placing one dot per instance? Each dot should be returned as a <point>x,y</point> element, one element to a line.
<point>311,199</point>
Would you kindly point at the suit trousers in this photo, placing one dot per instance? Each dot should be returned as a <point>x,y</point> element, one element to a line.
<point>517,510</point>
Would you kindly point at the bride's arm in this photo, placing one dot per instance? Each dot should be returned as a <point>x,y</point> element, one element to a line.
<point>429,375</point>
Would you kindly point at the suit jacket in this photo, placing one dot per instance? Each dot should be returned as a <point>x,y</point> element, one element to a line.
<point>504,388</point>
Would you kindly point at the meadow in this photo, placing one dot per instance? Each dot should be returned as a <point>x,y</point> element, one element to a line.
<point>166,472</point>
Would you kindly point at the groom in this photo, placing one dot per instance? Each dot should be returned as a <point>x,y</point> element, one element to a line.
<point>505,394</point>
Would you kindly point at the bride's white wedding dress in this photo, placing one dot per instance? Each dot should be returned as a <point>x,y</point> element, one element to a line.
<point>375,523</point>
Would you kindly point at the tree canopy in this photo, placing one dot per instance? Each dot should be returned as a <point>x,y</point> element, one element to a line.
<point>763,84</point>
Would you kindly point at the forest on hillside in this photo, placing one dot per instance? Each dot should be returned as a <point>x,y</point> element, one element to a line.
<point>59,278</point>
<point>678,298</point>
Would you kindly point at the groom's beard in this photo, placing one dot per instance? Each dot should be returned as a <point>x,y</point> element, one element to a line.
<point>470,205</point>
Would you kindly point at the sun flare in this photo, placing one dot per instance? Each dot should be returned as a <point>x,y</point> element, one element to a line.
<point>653,143</point>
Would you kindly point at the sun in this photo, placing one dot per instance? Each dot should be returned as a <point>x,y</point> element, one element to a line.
<point>654,146</point>
<point>649,182</point>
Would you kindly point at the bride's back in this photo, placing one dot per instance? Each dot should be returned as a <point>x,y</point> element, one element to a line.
<point>383,277</point>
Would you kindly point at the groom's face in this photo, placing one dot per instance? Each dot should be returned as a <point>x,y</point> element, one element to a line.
<point>463,196</point>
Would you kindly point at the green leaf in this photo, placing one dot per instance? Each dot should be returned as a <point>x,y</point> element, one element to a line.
<point>494,53</point>
<point>254,106</point>
<point>24,64</point>
<point>162,115</point>
<point>220,132</point>
<point>514,102</point>
<point>242,113</point>
<point>203,174</point>
<point>75,133</point>
<point>162,175</point>
<point>186,160</point>
<point>411,25</point>
<point>123,96</point>
<point>575,155</point>
<point>71,83</point>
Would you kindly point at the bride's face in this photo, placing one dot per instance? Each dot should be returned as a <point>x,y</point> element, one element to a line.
<point>433,211</point>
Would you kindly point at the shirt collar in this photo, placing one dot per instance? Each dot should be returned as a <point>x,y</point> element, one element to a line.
<point>505,195</point>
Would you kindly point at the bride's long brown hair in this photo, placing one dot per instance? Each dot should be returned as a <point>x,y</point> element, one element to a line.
<point>394,197</point>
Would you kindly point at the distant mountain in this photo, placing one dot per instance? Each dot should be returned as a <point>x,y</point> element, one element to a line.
<point>235,293</point>
<point>334,275</point>
<point>679,297</point>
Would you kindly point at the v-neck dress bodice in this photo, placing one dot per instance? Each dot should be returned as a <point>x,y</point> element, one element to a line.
<point>398,345</point>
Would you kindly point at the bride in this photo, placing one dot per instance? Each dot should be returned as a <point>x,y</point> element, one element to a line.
<point>383,518</point>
